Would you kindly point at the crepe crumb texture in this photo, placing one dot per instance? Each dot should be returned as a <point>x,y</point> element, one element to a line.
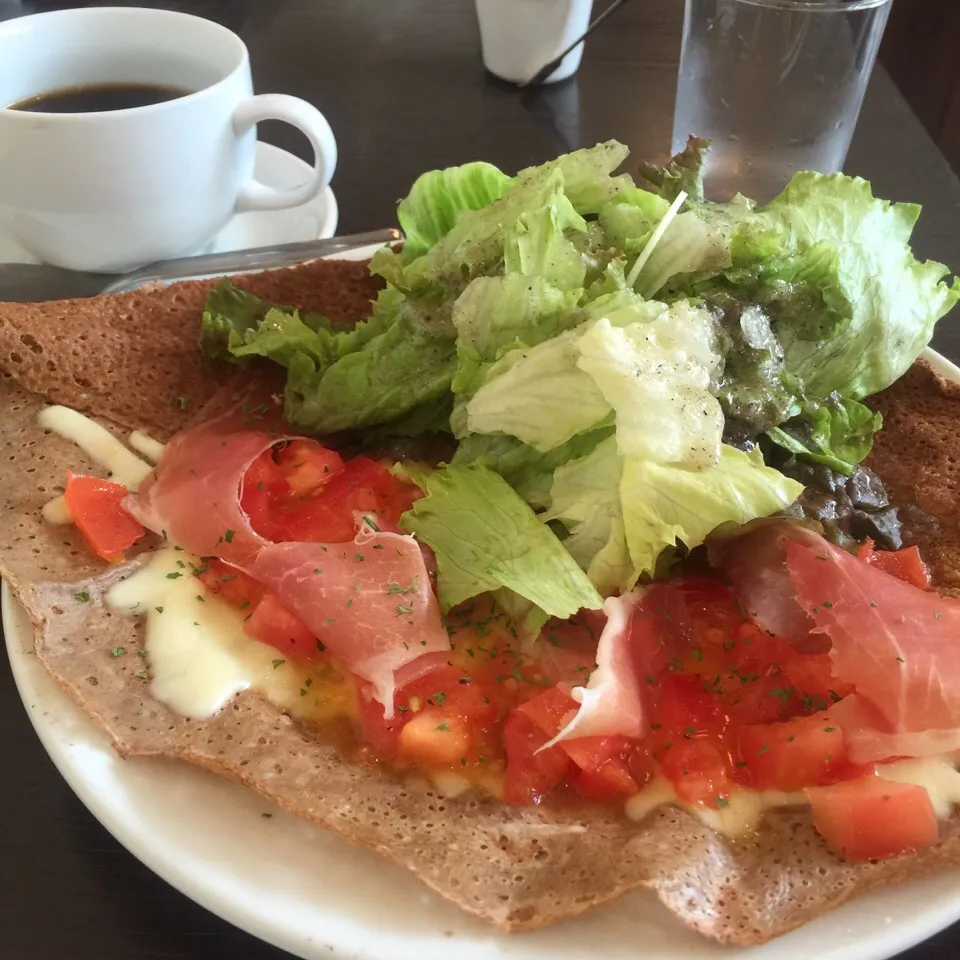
<point>518,868</point>
<point>917,453</point>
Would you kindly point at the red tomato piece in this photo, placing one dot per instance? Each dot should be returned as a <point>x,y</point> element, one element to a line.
<point>94,505</point>
<point>684,704</point>
<point>604,771</point>
<point>698,770</point>
<point>272,623</point>
<point>232,585</point>
<point>810,675</point>
<point>790,755</point>
<point>361,488</point>
<point>263,490</point>
<point>904,564</point>
<point>872,819</point>
<point>437,737</point>
<point>307,466</point>
<point>551,710</point>
<point>381,734</point>
<point>530,775</point>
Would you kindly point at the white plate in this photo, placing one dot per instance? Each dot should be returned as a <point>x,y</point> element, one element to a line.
<point>272,166</point>
<point>309,892</point>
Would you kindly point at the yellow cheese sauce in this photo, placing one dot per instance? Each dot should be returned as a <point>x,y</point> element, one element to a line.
<point>98,443</point>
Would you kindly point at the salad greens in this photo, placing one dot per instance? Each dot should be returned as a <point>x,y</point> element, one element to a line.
<point>614,358</point>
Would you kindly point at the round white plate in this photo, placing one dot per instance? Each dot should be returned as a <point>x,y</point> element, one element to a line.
<point>262,228</point>
<point>311,893</point>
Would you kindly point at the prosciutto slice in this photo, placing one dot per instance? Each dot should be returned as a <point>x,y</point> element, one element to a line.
<point>898,645</point>
<point>369,601</point>
<point>193,496</point>
<point>611,702</point>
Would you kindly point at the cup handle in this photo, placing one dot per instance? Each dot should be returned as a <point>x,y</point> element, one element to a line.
<point>305,117</point>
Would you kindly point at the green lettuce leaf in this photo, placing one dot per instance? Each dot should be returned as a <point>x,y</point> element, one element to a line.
<point>486,538</point>
<point>475,244</point>
<point>586,174</point>
<point>665,504</point>
<point>630,217</point>
<point>537,246</point>
<point>864,306</point>
<point>585,497</point>
<point>526,469</point>
<point>656,376</point>
<point>538,395</point>
<point>437,199</point>
<point>395,372</point>
<point>835,432</point>
<point>684,171</point>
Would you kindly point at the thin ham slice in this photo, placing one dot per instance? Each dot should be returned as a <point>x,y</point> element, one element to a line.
<point>369,601</point>
<point>193,496</point>
<point>611,703</point>
<point>898,645</point>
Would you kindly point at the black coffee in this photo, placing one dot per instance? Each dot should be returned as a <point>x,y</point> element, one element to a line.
<point>99,98</point>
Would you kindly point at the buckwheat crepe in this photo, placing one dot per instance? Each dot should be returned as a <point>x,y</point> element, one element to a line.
<point>131,361</point>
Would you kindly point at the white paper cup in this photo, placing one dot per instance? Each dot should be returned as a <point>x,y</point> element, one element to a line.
<point>519,37</point>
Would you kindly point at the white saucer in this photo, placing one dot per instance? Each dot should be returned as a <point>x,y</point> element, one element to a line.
<point>274,167</point>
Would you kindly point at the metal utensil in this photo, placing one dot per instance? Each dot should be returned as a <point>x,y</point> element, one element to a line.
<point>34,282</point>
<point>548,68</point>
<point>248,261</point>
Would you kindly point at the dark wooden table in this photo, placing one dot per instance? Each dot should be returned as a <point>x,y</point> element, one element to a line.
<point>402,85</point>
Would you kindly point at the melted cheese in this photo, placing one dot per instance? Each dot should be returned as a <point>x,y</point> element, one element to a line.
<point>739,817</point>
<point>102,447</point>
<point>745,808</point>
<point>145,444</point>
<point>199,656</point>
<point>938,774</point>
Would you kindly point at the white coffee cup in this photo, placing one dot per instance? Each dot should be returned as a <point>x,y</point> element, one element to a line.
<point>115,190</point>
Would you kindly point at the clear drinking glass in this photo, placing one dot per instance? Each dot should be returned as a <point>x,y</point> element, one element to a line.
<point>775,84</point>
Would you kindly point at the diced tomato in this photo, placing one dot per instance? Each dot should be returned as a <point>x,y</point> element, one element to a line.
<point>698,769</point>
<point>381,734</point>
<point>684,704</point>
<point>263,490</point>
<point>307,466</point>
<point>272,623</point>
<point>810,676</point>
<point>234,586</point>
<point>94,505</point>
<point>871,818</point>
<point>551,710</point>
<point>436,737</point>
<point>905,564</point>
<point>605,773</point>
<point>530,775</point>
<point>790,755</point>
<point>361,488</point>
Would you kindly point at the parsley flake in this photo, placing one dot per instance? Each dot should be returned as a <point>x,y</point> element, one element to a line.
<point>118,651</point>
<point>174,575</point>
<point>82,596</point>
